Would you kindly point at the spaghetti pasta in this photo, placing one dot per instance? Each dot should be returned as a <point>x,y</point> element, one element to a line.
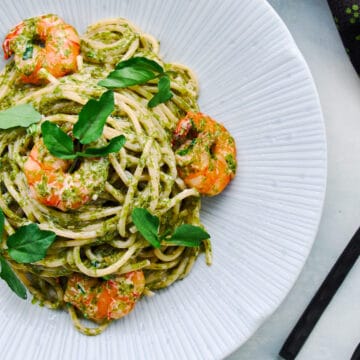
<point>99,239</point>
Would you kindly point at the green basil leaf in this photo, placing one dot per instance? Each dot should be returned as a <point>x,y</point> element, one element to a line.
<point>164,93</point>
<point>7,274</point>
<point>188,235</point>
<point>114,146</point>
<point>29,243</point>
<point>147,224</point>
<point>127,76</point>
<point>138,71</point>
<point>57,141</point>
<point>140,63</point>
<point>92,118</point>
<point>21,115</point>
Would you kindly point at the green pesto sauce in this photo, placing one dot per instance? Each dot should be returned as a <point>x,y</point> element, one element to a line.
<point>54,103</point>
<point>231,163</point>
<point>117,43</point>
<point>107,37</point>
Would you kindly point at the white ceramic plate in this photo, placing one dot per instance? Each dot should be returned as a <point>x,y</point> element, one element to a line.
<point>255,81</point>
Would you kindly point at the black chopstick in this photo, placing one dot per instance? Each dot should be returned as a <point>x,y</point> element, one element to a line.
<point>356,354</point>
<point>321,299</point>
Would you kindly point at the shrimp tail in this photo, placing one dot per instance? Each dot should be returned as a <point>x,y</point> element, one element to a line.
<point>13,34</point>
<point>185,131</point>
<point>6,49</point>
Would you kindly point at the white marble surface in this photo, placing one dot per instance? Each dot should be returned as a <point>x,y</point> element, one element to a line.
<point>338,331</point>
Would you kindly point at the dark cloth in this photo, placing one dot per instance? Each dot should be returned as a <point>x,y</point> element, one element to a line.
<point>347,18</point>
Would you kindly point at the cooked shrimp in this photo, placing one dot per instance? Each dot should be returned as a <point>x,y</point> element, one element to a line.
<point>52,185</point>
<point>205,153</point>
<point>100,299</point>
<point>44,42</point>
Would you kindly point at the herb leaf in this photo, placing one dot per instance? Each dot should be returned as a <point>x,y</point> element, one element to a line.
<point>184,235</point>
<point>92,118</point>
<point>21,115</point>
<point>7,274</point>
<point>139,62</point>
<point>61,145</point>
<point>29,243</point>
<point>134,71</point>
<point>127,76</point>
<point>138,71</point>
<point>188,235</point>
<point>57,141</point>
<point>164,94</point>
<point>114,145</point>
<point>147,224</point>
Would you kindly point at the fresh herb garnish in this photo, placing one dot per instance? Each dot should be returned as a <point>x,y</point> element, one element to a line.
<point>127,76</point>
<point>20,115</point>
<point>164,93</point>
<point>141,63</point>
<point>188,235</point>
<point>28,244</point>
<point>138,71</point>
<point>148,225</point>
<point>114,145</point>
<point>184,235</point>
<point>57,141</point>
<point>135,71</point>
<point>88,128</point>
<point>92,118</point>
<point>7,274</point>
<point>61,144</point>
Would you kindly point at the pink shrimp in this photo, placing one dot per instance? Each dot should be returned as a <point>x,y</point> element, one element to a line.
<point>100,299</point>
<point>44,42</point>
<point>205,153</point>
<point>52,185</point>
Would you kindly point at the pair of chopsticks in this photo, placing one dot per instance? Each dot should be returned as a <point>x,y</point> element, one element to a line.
<point>321,300</point>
